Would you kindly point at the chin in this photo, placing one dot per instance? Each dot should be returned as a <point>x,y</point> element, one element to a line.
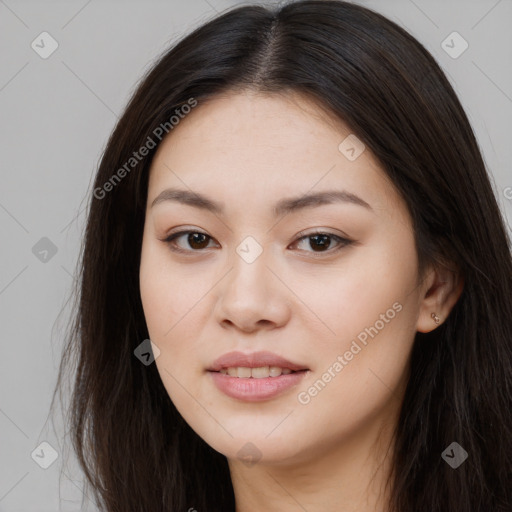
<point>252,445</point>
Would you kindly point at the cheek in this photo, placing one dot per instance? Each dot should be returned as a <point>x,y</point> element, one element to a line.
<point>157,302</point>
<point>372,280</point>
<point>174,300</point>
<point>359,376</point>
<point>168,309</point>
<point>370,307</point>
<point>167,293</point>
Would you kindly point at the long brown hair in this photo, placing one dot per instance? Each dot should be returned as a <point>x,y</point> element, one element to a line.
<point>136,451</point>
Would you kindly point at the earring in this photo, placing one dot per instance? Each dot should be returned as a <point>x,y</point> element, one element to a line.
<point>436,318</point>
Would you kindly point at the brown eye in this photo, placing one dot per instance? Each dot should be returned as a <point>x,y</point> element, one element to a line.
<point>321,242</point>
<point>195,240</point>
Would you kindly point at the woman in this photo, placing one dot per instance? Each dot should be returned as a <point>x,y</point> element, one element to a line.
<point>295,282</point>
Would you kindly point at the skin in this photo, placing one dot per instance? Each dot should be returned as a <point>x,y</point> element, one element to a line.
<point>247,151</point>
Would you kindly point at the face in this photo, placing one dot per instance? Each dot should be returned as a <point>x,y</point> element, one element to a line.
<point>284,324</point>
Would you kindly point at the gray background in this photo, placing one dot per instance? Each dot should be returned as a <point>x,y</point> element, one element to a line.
<point>56,115</point>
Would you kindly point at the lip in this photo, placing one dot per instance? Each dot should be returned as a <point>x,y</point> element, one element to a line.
<point>251,389</point>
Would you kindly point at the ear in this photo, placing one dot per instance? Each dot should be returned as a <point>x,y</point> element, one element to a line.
<point>441,291</point>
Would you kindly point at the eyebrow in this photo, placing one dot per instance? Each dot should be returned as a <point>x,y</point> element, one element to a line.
<point>282,207</point>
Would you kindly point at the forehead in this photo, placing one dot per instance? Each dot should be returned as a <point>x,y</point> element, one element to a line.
<point>251,119</point>
<point>262,147</point>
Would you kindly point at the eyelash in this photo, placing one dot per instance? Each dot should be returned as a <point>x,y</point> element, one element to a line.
<point>344,242</point>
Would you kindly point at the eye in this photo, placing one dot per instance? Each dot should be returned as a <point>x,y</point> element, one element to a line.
<point>196,239</point>
<point>321,240</point>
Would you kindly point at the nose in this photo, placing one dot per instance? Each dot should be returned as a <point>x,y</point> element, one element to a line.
<point>253,296</point>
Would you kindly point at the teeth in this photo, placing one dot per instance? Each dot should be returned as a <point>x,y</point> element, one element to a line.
<point>256,373</point>
<point>244,372</point>
<point>275,371</point>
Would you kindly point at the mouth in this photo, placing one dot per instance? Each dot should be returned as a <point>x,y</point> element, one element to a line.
<point>261,372</point>
<point>260,362</point>
<point>255,377</point>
